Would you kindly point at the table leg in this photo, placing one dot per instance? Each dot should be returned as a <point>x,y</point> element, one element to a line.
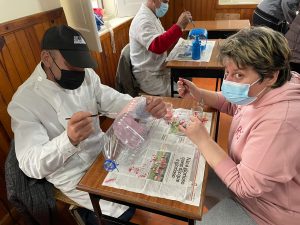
<point>95,202</point>
<point>172,87</point>
<point>218,113</point>
<point>191,222</point>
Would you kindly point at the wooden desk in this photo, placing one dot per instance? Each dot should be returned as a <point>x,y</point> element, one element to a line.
<point>186,69</point>
<point>219,28</point>
<point>93,179</point>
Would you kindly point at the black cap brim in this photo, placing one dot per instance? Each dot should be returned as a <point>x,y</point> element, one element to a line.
<point>81,59</point>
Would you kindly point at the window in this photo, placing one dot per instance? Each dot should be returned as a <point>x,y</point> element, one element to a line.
<point>118,8</point>
<point>80,16</point>
<point>97,4</point>
<point>238,2</point>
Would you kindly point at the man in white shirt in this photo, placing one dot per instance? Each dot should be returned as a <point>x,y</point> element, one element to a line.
<point>61,86</point>
<point>149,43</point>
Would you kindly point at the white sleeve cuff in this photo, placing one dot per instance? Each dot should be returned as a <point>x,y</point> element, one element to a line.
<point>65,147</point>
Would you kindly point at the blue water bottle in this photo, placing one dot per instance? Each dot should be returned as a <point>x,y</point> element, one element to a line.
<point>196,48</point>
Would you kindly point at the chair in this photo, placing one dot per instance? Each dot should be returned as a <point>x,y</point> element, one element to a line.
<point>35,199</point>
<point>125,80</point>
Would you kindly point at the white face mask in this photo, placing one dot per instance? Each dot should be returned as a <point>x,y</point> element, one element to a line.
<point>162,10</point>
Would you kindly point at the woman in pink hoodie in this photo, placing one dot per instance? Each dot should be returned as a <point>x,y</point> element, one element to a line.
<point>263,166</point>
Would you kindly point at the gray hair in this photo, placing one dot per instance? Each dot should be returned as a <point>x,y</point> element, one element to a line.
<point>260,48</point>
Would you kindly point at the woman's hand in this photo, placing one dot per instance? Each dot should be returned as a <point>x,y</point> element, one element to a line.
<point>187,89</point>
<point>195,131</point>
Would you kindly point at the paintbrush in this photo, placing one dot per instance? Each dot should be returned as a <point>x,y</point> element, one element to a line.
<point>191,21</point>
<point>99,114</point>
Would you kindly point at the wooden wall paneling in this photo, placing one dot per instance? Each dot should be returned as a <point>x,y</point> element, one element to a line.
<point>39,31</point>
<point>6,89</point>
<point>61,19</point>
<point>47,25</point>
<point>5,118</point>
<point>200,10</point>
<point>4,141</point>
<point>27,21</point>
<point>108,59</point>
<point>9,66</point>
<point>247,14</point>
<point>26,50</point>
<point>18,59</point>
<point>33,42</point>
<point>102,68</point>
<point>245,11</point>
<point>204,10</point>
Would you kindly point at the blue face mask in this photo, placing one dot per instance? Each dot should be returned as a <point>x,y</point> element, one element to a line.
<point>162,10</point>
<point>238,93</point>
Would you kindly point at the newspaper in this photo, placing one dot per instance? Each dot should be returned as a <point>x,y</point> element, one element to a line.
<point>183,51</point>
<point>169,165</point>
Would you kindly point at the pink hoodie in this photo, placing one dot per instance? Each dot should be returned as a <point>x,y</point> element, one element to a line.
<point>263,169</point>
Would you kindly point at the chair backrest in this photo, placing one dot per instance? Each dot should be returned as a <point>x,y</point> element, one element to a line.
<point>33,198</point>
<point>125,80</point>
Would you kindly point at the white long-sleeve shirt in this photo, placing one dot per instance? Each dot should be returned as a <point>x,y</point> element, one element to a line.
<point>38,110</point>
<point>148,67</point>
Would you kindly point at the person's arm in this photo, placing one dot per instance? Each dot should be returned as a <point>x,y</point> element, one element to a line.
<point>216,100</point>
<point>197,133</point>
<point>189,90</point>
<point>264,163</point>
<point>268,158</point>
<point>289,8</point>
<point>38,155</point>
<point>166,40</point>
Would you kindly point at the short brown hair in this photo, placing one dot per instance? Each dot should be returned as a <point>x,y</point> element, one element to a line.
<point>261,48</point>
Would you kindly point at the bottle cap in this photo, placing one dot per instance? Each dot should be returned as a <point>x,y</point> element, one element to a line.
<point>110,165</point>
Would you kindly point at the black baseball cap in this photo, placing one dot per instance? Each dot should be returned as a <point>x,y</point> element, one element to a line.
<point>71,45</point>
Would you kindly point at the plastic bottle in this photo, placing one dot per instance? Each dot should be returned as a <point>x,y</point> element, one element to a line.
<point>129,131</point>
<point>196,49</point>
<point>123,140</point>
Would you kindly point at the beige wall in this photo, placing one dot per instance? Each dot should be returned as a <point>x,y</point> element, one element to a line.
<point>14,9</point>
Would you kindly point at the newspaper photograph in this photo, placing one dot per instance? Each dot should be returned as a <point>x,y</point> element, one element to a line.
<point>168,165</point>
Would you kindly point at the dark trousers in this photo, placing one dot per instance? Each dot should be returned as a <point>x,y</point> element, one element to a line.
<point>260,18</point>
<point>89,217</point>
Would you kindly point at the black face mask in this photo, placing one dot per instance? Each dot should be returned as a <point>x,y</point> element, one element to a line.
<point>70,79</point>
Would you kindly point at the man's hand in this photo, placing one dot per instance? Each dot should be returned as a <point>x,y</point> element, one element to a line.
<point>156,106</point>
<point>184,19</point>
<point>79,127</point>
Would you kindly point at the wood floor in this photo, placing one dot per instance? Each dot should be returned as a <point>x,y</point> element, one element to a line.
<point>146,218</point>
